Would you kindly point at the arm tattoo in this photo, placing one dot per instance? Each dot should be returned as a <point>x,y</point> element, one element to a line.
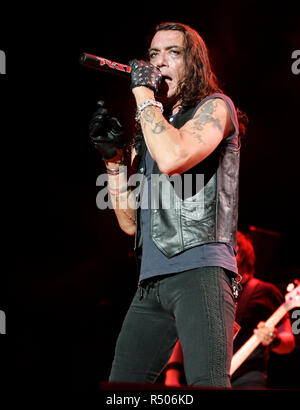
<point>148,115</point>
<point>204,117</point>
<point>159,127</point>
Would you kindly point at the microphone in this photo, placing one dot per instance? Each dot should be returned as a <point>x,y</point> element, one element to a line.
<point>103,64</point>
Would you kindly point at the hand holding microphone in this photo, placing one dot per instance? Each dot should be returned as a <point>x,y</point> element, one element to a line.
<point>145,74</point>
<point>142,73</point>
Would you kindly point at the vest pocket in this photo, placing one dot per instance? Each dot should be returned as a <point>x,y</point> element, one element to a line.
<point>192,209</point>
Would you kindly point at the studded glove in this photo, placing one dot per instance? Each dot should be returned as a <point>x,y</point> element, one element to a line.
<point>144,74</point>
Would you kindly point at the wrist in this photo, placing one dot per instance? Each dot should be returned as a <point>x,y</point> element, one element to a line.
<point>142,94</point>
<point>116,161</point>
<point>145,104</point>
<point>114,165</point>
<point>115,169</point>
<point>117,179</point>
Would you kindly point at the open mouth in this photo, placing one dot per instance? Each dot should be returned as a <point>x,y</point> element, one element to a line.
<point>165,85</point>
<point>167,78</point>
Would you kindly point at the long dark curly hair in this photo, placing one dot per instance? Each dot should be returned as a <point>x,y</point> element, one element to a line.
<point>200,80</point>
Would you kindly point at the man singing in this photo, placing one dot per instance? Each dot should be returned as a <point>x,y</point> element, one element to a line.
<point>186,251</point>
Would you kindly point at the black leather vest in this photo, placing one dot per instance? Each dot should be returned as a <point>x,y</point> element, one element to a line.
<point>209,214</point>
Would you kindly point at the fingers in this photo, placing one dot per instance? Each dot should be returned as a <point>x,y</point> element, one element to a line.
<point>101,111</point>
<point>115,125</point>
<point>144,74</point>
<point>265,334</point>
<point>99,118</point>
<point>133,64</point>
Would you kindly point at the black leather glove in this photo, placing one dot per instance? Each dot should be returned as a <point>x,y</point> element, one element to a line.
<point>144,74</point>
<point>106,133</point>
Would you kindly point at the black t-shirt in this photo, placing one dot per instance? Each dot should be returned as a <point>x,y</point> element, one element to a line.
<point>263,301</point>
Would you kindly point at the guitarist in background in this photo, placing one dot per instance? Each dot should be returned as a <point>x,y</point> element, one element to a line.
<point>256,302</point>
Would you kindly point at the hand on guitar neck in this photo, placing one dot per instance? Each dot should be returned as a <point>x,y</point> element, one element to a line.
<point>264,332</point>
<point>279,339</point>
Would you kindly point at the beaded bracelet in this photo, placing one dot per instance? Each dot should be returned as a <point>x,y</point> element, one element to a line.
<point>145,104</point>
<point>112,171</point>
<point>115,171</point>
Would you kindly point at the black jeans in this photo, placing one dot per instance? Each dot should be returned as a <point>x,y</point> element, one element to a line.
<point>196,306</point>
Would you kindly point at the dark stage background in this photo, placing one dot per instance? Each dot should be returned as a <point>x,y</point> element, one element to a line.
<point>68,273</point>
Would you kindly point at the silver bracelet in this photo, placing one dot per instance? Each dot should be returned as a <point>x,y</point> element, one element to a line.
<point>145,104</point>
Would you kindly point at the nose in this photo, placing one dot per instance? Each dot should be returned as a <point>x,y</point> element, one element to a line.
<point>160,60</point>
